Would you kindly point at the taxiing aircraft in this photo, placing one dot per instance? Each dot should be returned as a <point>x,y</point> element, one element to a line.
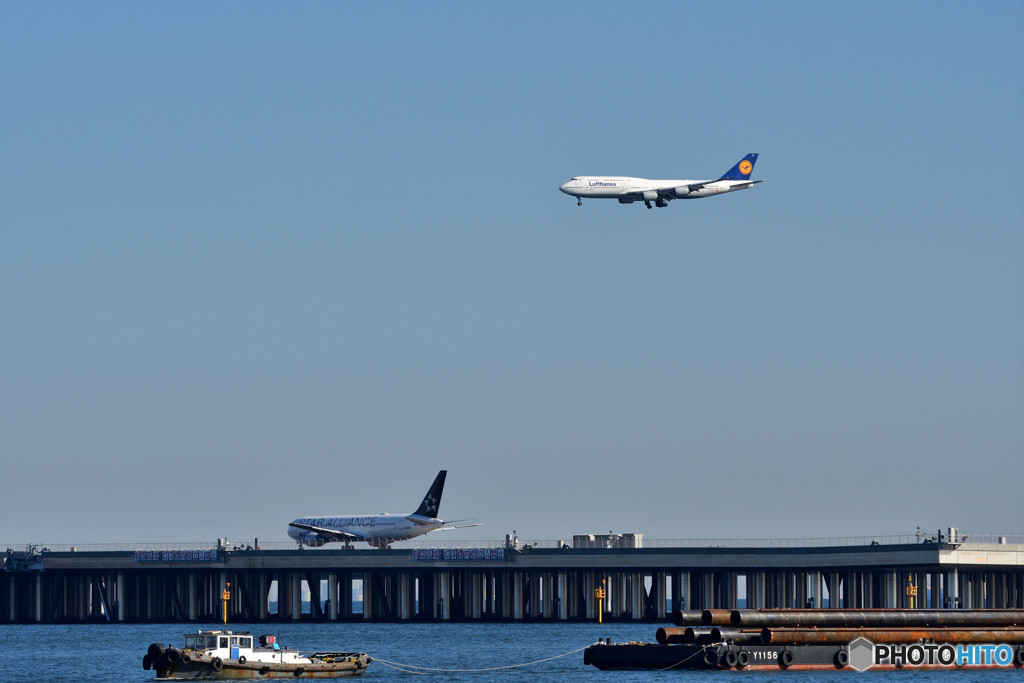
<point>377,530</point>
<point>661,192</point>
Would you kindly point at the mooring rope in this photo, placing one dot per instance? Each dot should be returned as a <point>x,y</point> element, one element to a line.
<point>426,670</point>
<point>686,659</point>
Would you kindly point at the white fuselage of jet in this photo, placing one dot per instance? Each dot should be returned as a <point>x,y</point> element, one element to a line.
<point>373,529</point>
<point>377,530</point>
<point>661,192</point>
<point>641,189</point>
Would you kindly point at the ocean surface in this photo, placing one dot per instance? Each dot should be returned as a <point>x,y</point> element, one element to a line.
<point>448,652</point>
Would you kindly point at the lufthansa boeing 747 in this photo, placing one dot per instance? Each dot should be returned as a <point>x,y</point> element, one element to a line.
<point>661,192</point>
<point>376,530</point>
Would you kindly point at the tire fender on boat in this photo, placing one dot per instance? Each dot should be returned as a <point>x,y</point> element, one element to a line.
<point>172,656</point>
<point>742,658</point>
<point>731,659</point>
<point>217,663</point>
<point>711,657</point>
<point>299,672</point>
<point>1018,657</point>
<point>841,659</point>
<point>264,670</point>
<point>147,661</point>
<point>785,659</point>
<point>241,659</point>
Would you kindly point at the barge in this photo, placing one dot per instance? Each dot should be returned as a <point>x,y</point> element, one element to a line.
<point>217,655</point>
<point>837,640</point>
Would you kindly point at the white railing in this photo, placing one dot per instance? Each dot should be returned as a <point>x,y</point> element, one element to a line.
<point>433,542</point>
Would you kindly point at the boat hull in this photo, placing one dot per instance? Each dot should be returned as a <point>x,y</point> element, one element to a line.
<point>230,669</point>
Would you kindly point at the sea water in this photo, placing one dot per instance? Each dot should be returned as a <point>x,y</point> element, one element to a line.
<point>441,652</point>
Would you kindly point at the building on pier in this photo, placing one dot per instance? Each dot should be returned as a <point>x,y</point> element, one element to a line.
<point>498,584</point>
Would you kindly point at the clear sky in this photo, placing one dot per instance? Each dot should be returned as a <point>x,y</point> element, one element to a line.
<point>265,260</point>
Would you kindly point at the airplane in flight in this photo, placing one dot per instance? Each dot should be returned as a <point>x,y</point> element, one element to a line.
<point>661,192</point>
<point>377,530</point>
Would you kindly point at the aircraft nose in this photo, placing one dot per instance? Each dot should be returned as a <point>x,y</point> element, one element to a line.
<point>565,187</point>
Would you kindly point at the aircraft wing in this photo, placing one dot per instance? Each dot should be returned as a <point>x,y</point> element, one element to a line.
<point>670,192</point>
<point>333,534</point>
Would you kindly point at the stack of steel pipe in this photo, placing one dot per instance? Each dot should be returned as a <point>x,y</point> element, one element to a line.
<point>687,617</point>
<point>842,636</point>
<point>707,636</point>
<point>837,626</point>
<point>869,618</point>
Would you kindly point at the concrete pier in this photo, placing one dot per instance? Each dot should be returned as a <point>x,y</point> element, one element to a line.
<point>551,584</point>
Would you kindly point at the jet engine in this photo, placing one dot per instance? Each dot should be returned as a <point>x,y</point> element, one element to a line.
<point>650,195</point>
<point>312,539</point>
<point>626,200</point>
<point>681,192</point>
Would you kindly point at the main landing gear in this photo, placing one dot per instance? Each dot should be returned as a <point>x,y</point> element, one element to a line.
<point>579,202</point>
<point>647,204</point>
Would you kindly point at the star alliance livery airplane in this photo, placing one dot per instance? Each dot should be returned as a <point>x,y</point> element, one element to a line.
<point>377,530</point>
<point>661,192</point>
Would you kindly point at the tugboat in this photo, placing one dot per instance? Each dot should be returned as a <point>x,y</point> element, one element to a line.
<point>231,655</point>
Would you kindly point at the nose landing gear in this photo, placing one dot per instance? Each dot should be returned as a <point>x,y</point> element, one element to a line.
<point>579,202</point>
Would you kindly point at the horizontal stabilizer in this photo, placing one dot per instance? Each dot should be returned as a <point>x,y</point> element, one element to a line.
<point>458,526</point>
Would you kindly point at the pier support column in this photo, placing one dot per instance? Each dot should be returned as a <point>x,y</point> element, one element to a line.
<point>332,596</point>
<point>978,592</point>
<point>625,595</point>
<point>443,595</point>
<point>658,591</point>
<point>517,595</point>
<point>475,589</point>
<point>815,589</point>
<point>755,590</point>
<point>534,593</point>
<point>37,612</point>
<point>891,589</point>
<point>118,606</point>
<point>190,596</point>
<point>633,594</point>
<point>590,583</point>
<point>949,582</point>
<point>833,590</point>
<point>563,594</point>
<point>707,590</point>
<point>682,599</point>
<point>547,597</point>
<point>403,596</point>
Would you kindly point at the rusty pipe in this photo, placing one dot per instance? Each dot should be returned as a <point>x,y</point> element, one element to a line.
<point>736,636</point>
<point>842,636</point>
<point>688,636</point>
<point>840,618</point>
<point>668,635</point>
<point>715,617</point>
<point>689,617</point>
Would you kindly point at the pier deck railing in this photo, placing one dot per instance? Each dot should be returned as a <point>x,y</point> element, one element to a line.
<point>434,542</point>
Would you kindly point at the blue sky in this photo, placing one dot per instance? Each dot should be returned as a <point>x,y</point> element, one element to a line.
<point>266,260</point>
